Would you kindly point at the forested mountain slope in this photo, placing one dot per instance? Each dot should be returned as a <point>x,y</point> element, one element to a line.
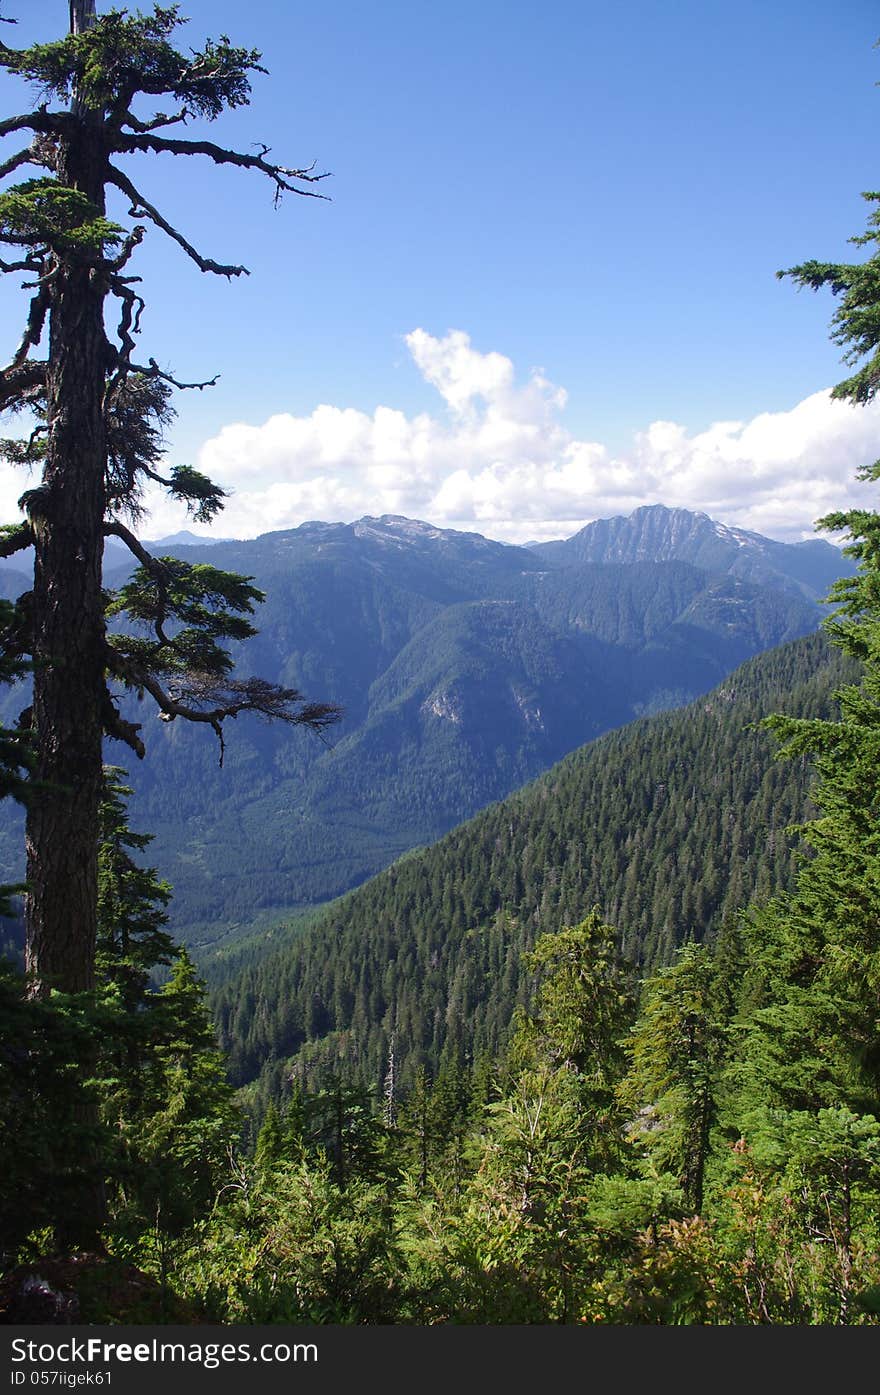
<point>668,825</point>
<point>465,667</point>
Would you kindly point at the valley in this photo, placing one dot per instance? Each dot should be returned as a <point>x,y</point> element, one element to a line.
<point>464,668</point>
<point>669,826</point>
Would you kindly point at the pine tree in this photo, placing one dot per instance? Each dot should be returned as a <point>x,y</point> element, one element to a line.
<point>524,1240</point>
<point>42,1141</point>
<point>163,1098</point>
<point>584,1005</point>
<point>808,1073</point>
<point>132,939</point>
<point>416,1126</point>
<point>100,417</point>
<point>269,1148</point>
<point>815,1028</point>
<point>676,1052</point>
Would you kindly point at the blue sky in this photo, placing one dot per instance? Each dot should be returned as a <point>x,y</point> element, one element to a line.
<point>543,287</point>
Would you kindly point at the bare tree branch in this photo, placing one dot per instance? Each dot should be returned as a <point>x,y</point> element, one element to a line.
<point>156,477</point>
<point>129,323</point>
<point>280,175</point>
<point>116,726</point>
<point>32,439</point>
<point>115,529</point>
<point>133,307</point>
<point>154,371</point>
<point>133,240</point>
<point>141,208</point>
<point>159,120</point>
<point>18,453</point>
<point>45,277</point>
<point>151,564</point>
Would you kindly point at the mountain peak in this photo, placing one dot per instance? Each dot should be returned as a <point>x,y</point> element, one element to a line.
<point>657,533</point>
<point>683,520</point>
<point>184,538</point>
<point>395,526</point>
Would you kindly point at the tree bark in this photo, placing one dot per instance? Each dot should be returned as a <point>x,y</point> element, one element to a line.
<point>63,820</point>
<point>82,15</point>
<point>68,515</point>
<point>62,823</point>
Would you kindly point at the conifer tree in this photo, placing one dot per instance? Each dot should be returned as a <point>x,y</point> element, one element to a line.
<point>164,1104</point>
<point>100,416</point>
<point>524,1240</point>
<point>132,901</point>
<point>676,1051</point>
<point>815,1036</point>
<point>583,1009</point>
<point>807,1076</point>
<point>188,1118</point>
<point>416,1126</point>
<point>269,1148</point>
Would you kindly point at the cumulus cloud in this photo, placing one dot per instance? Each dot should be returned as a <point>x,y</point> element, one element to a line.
<point>497,458</point>
<point>458,372</point>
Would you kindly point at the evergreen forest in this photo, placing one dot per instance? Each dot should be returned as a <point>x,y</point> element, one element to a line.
<point>463,668</point>
<point>607,1053</point>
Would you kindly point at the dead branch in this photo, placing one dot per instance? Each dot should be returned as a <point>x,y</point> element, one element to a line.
<point>27,454</point>
<point>133,240</point>
<point>281,175</point>
<point>141,208</point>
<point>45,277</point>
<point>156,477</point>
<point>159,120</point>
<point>29,264</point>
<point>133,307</point>
<point>151,564</point>
<point>116,726</point>
<point>154,371</point>
<point>42,122</point>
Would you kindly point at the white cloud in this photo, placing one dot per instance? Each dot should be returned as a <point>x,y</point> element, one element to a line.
<point>457,371</point>
<point>497,458</point>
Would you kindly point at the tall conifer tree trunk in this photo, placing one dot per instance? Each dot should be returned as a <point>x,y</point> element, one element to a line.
<point>82,14</point>
<point>67,518</point>
<point>99,437</point>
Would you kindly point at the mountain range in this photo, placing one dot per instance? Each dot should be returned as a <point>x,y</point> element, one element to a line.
<point>464,666</point>
<point>670,825</point>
